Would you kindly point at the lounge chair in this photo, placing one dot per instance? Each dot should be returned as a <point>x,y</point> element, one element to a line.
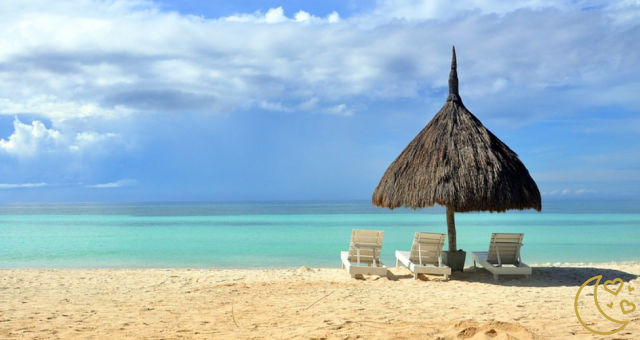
<point>503,257</point>
<point>425,255</point>
<point>363,257</point>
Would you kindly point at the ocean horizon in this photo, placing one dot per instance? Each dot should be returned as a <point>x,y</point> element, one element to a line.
<point>293,234</point>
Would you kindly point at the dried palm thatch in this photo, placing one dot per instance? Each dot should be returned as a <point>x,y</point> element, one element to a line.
<point>457,162</point>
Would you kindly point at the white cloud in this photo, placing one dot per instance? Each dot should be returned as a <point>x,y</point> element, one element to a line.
<point>568,192</point>
<point>333,18</point>
<point>75,64</point>
<point>85,58</point>
<point>27,140</point>
<point>302,16</point>
<point>309,104</point>
<point>312,105</point>
<point>275,15</point>
<point>91,141</point>
<point>339,110</point>
<point>31,140</point>
<point>54,107</point>
<point>563,192</point>
<point>21,185</point>
<point>116,184</point>
<point>586,191</point>
<point>270,106</point>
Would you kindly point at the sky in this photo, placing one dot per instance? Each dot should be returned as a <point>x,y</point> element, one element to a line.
<point>185,100</point>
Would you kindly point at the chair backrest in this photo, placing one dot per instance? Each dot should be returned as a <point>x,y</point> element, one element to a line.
<point>426,248</point>
<point>505,248</point>
<point>367,244</point>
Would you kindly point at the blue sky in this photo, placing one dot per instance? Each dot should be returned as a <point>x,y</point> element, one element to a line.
<point>132,100</point>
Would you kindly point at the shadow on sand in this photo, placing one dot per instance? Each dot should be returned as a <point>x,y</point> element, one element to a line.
<point>544,276</point>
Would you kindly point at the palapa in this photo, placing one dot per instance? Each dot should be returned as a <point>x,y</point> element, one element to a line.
<point>458,163</point>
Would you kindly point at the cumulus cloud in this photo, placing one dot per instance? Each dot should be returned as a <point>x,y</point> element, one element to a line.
<point>30,140</point>
<point>277,15</point>
<point>27,140</point>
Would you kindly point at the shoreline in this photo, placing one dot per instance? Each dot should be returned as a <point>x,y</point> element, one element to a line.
<point>302,303</point>
<point>539,264</point>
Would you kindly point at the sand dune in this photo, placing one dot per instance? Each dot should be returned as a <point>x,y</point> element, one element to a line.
<point>303,304</point>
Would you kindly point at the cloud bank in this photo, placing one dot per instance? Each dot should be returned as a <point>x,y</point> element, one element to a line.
<point>91,80</point>
<point>89,57</point>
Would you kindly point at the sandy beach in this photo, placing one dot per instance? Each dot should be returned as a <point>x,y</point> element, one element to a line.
<point>308,303</point>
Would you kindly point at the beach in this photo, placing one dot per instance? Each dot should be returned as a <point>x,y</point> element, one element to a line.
<point>271,271</point>
<point>307,303</point>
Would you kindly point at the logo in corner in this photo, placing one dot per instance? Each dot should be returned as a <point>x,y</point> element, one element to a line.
<point>610,287</point>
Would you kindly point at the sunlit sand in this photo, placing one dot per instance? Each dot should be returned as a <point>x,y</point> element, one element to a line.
<point>305,303</point>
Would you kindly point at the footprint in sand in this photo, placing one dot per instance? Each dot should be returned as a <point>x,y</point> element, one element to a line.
<point>491,330</point>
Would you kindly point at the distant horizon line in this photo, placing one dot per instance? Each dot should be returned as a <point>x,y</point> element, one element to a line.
<point>284,201</point>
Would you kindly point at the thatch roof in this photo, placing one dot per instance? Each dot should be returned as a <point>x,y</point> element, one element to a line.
<point>457,162</point>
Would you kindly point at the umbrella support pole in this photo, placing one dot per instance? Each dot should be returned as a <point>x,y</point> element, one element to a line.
<point>451,229</point>
<point>453,258</point>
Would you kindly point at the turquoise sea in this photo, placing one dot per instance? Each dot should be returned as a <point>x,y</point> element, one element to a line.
<point>292,234</point>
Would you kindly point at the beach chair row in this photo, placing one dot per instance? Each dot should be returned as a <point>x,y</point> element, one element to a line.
<point>425,256</point>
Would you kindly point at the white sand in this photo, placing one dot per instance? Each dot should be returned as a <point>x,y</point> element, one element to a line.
<point>306,304</point>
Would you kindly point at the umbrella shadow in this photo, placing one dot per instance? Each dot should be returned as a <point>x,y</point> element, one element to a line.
<point>544,276</point>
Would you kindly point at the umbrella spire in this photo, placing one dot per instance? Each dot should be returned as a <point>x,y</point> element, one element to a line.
<point>453,79</point>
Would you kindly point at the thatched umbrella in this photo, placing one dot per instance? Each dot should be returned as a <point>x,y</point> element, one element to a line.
<point>458,163</point>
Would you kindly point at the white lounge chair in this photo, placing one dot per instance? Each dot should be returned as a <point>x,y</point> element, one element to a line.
<point>425,255</point>
<point>503,257</point>
<point>363,257</point>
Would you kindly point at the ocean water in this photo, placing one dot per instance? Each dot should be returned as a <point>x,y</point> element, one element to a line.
<point>292,234</point>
